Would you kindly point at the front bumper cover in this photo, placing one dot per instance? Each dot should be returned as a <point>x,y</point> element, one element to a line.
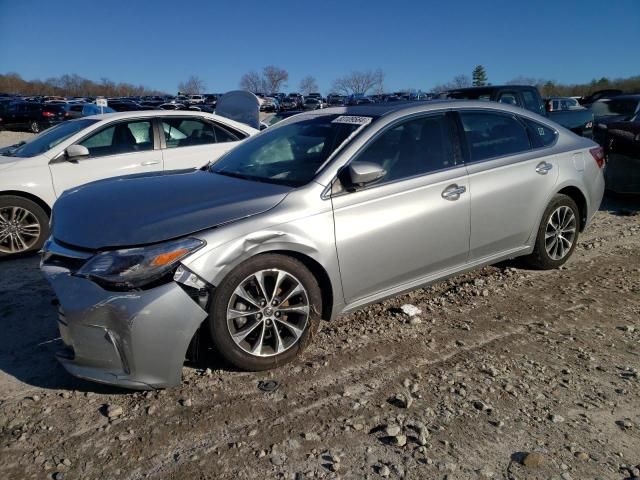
<point>135,339</point>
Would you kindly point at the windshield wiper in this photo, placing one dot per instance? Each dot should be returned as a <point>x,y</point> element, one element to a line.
<point>237,175</point>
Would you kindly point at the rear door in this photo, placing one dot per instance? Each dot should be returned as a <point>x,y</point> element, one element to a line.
<point>193,141</point>
<point>120,148</point>
<point>415,221</point>
<point>510,179</point>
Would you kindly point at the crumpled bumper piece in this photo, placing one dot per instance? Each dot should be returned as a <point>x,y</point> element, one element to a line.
<point>134,339</point>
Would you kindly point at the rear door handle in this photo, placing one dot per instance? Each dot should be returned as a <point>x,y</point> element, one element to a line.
<point>149,162</point>
<point>543,168</point>
<point>453,192</point>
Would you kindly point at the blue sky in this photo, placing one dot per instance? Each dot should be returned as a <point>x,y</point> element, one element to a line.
<point>417,43</point>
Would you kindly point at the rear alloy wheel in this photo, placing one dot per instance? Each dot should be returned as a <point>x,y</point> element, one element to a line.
<point>24,226</point>
<point>265,312</point>
<point>34,127</point>
<point>557,234</point>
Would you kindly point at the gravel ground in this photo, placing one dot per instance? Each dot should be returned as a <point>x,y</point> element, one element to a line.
<point>504,373</point>
<point>10,138</point>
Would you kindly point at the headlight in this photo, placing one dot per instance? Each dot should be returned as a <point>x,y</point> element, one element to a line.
<point>137,267</point>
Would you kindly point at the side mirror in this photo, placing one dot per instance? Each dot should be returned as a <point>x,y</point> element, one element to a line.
<point>359,174</point>
<point>75,152</point>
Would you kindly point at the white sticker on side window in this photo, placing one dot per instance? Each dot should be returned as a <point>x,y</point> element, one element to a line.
<point>541,131</point>
<point>352,119</point>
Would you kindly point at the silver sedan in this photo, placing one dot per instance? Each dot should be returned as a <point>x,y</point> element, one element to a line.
<point>322,214</point>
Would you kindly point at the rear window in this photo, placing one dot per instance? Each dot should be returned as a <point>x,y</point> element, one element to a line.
<point>541,135</point>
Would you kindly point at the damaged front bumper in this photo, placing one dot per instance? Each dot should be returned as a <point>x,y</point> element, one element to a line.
<point>134,339</point>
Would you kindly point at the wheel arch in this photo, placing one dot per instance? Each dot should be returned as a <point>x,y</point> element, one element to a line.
<point>577,196</point>
<point>29,196</point>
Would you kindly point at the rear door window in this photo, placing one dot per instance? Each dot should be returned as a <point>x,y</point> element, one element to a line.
<point>186,132</point>
<point>491,135</point>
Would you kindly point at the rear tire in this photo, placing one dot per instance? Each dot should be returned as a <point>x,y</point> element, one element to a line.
<point>557,234</point>
<point>277,321</point>
<point>24,225</point>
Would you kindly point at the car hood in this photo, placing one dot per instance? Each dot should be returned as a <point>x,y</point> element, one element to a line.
<point>7,161</point>
<point>142,209</point>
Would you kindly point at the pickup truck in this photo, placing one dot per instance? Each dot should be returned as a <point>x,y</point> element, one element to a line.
<point>579,121</point>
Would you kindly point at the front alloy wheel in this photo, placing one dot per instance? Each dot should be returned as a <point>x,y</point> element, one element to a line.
<point>265,312</point>
<point>23,226</point>
<point>268,312</point>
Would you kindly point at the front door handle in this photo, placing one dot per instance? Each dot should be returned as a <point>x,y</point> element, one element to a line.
<point>453,192</point>
<point>543,168</point>
<point>149,162</point>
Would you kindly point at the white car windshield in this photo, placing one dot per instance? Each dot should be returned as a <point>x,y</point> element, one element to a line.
<point>49,138</point>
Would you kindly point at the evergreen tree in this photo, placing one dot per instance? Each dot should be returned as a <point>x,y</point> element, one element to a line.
<point>479,76</point>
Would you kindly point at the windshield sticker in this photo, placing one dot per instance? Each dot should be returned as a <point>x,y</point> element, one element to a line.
<point>353,120</point>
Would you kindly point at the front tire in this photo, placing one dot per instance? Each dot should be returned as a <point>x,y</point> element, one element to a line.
<point>24,226</point>
<point>557,234</point>
<point>265,312</point>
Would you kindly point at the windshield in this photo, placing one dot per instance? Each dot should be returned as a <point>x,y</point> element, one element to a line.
<point>51,137</point>
<point>289,154</point>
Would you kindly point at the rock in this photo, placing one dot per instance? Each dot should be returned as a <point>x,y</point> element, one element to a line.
<point>399,440</point>
<point>486,472</point>
<point>114,411</point>
<point>556,418</point>
<point>410,310</point>
<point>393,430</point>
<point>402,400</point>
<point>384,471</point>
<point>186,402</point>
<point>278,459</point>
<point>312,436</point>
<point>151,409</point>
<point>582,456</point>
<point>58,476</point>
<point>480,405</point>
<point>625,423</point>
<point>415,321</point>
<point>66,462</point>
<point>534,460</point>
<point>253,433</point>
<point>485,293</point>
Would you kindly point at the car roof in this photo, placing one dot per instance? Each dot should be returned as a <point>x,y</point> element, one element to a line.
<point>409,106</point>
<point>167,113</point>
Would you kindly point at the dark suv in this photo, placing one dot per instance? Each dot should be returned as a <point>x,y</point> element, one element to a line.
<point>32,116</point>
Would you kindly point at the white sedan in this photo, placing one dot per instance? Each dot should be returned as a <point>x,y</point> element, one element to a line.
<point>92,148</point>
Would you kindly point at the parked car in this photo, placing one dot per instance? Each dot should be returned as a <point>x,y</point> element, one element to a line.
<point>622,149</point>
<point>78,151</point>
<point>289,103</point>
<point>196,99</point>
<point>620,108</point>
<point>87,109</point>
<point>324,214</point>
<point>335,100</point>
<point>554,104</point>
<point>172,106</point>
<point>126,106</point>
<point>298,98</point>
<point>311,103</point>
<point>269,104</point>
<point>31,116</point>
<point>528,97</point>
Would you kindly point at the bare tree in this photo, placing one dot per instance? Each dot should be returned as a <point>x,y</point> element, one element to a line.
<point>251,81</point>
<point>459,81</point>
<point>192,86</point>
<point>274,78</point>
<point>359,83</point>
<point>523,80</point>
<point>308,84</point>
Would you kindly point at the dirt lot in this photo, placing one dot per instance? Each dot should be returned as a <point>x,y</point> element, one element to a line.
<point>506,373</point>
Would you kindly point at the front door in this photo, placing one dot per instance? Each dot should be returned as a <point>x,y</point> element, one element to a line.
<point>121,148</point>
<point>414,221</point>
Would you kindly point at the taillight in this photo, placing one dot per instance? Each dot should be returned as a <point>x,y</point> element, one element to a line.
<point>598,155</point>
<point>48,114</point>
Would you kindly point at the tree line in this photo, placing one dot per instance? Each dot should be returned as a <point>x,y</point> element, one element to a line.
<point>71,85</point>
